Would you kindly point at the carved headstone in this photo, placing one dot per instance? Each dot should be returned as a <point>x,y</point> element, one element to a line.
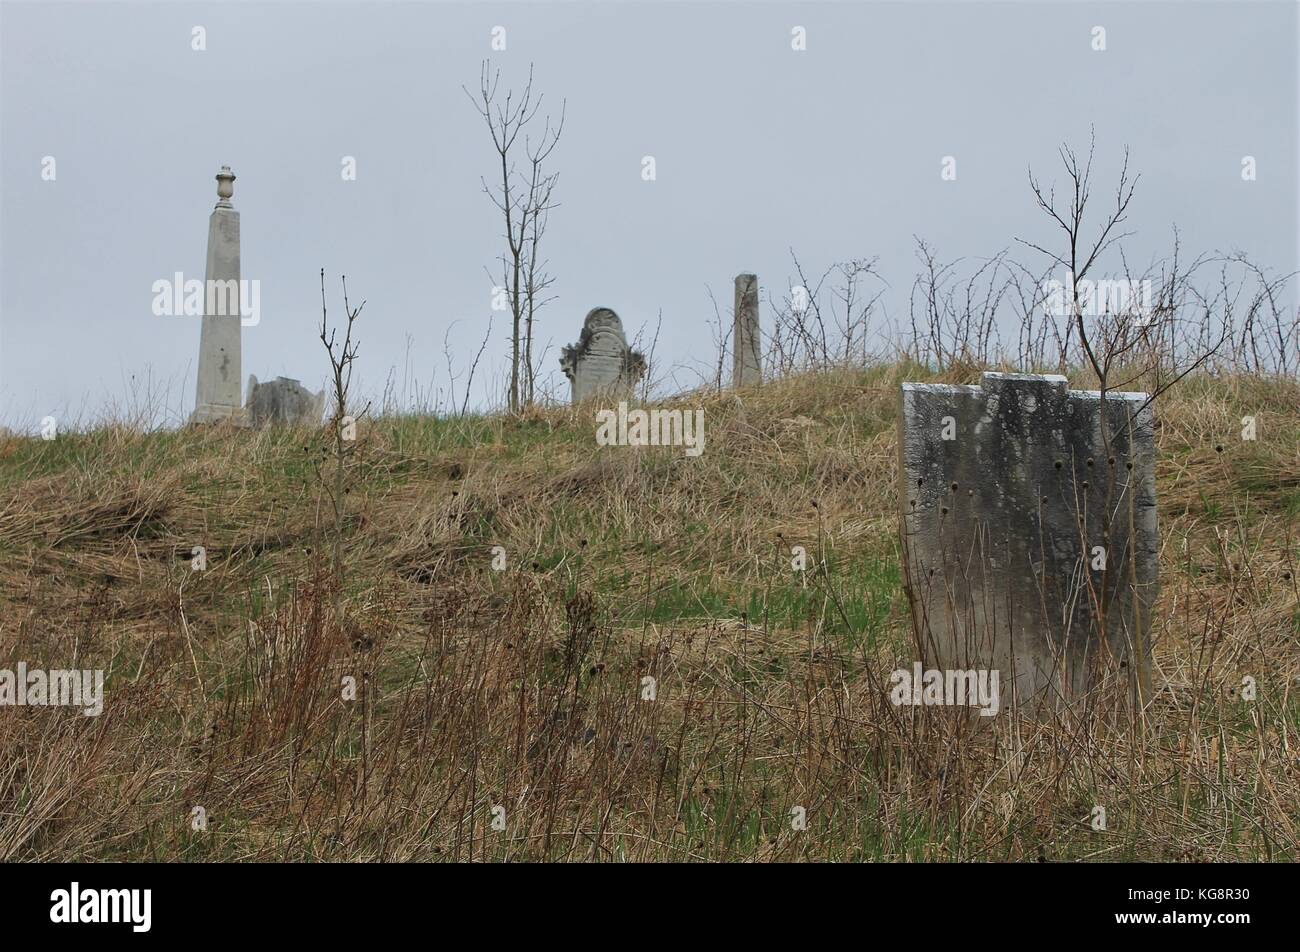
<point>283,401</point>
<point>1029,532</point>
<point>218,397</point>
<point>746,338</point>
<point>601,364</point>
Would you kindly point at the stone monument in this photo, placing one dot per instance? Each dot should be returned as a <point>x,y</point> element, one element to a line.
<point>601,364</point>
<point>1029,541</point>
<point>283,401</point>
<point>746,338</point>
<point>218,397</point>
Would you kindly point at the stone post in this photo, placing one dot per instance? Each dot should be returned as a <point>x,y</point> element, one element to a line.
<point>1028,530</point>
<point>218,394</point>
<point>746,339</point>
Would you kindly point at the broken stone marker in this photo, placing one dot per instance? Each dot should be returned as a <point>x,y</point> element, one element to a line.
<point>746,340</point>
<point>218,397</point>
<point>1029,534</point>
<point>283,401</point>
<point>601,364</point>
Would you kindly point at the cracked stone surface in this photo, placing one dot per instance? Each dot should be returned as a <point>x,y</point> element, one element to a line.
<point>283,401</point>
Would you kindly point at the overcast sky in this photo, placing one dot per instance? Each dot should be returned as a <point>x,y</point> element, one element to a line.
<point>835,151</point>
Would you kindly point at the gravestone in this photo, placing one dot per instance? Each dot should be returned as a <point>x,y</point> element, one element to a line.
<point>746,339</point>
<point>601,364</point>
<point>218,397</point>
<point>1010,561</point>
<point>283,401</point>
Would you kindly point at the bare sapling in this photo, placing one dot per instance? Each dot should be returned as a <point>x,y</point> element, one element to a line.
<point>525,200</point>
<point>342,355</point>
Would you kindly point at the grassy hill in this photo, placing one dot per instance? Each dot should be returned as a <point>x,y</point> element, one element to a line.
<point>505,714</point>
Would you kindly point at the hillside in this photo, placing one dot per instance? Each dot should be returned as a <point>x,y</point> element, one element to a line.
<point>503,714</point>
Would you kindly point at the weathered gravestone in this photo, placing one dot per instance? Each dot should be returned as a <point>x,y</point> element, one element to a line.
<point>283,401</point>
<point>1029,535</point>
<point>218,397</point>
<point>746,339</point>
<point>601,364</point>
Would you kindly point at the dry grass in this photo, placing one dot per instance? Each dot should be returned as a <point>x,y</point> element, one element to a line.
<point>523,689</point>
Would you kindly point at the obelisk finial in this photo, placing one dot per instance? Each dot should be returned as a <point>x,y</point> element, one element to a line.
<point>225,187</point>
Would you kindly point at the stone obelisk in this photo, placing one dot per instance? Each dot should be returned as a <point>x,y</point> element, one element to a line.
<point>746,354</point>
<point>218,397</point>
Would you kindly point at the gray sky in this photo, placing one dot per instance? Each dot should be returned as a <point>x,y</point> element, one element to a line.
<point>834,151</point>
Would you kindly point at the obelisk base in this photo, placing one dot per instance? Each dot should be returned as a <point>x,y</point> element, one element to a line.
<point>211,413</point>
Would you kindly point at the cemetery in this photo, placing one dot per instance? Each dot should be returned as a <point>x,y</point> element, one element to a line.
<point>954,562</point>
<point>912,559</point>
<point>1001,500</point>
